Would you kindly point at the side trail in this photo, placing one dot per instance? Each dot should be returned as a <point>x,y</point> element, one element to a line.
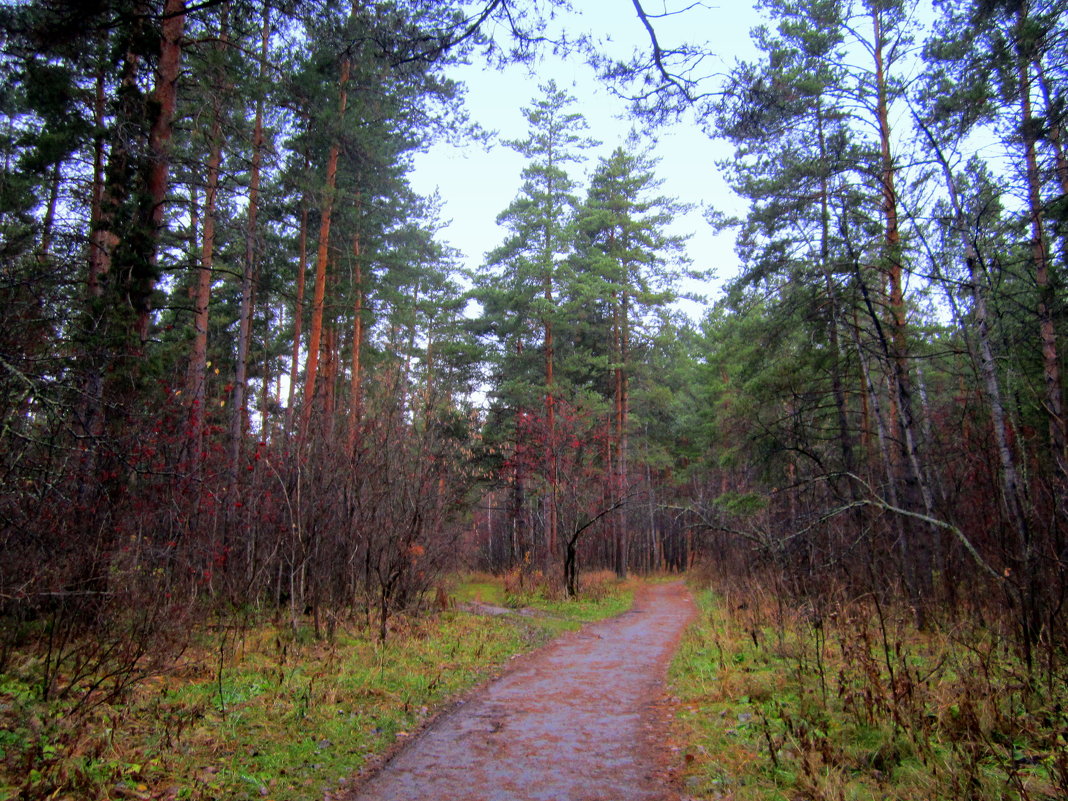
<point>575,721</point>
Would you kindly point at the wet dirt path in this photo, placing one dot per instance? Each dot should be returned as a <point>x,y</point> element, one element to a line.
<point>575,721</point>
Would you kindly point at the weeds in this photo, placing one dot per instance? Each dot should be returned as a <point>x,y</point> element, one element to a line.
<point>256,709</point>
<point>857,704</point>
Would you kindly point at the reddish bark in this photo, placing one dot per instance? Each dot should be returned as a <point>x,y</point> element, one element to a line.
<point>915,492</point>
<point>195,378</point>
<point>1040,259</point>
<point>159,145</point>
<point>315,339</point>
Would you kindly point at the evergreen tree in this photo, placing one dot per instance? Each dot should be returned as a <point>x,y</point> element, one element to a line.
<point>520,296</point>
<point>627,265</point>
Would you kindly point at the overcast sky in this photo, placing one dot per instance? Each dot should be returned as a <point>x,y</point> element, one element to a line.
<point>476,184</point>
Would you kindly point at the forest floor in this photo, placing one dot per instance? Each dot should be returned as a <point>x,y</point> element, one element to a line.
<point>582,719</point>
<point>255,707</point>
<point>765,700</point>
<point>780,701</point>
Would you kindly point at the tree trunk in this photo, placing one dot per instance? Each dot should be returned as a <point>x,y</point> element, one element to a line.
<point>322,258</point>
<point>298,312</point>
<point>97,250</point>
<point>550,411</point>
<point>165,96</point>
<point>1031,614</point>
<point>916,494</point>
<point>1055,136</point>
<point>111,186</point>
<point>1040,259</point>
<point>622,442</point>
<point>571,568</point>
<point>44,248</point>
<point>238,406</point>
<point>356,378</point>
<point>845,439</point>
<point>1013,491</point>
<point>196,375</point>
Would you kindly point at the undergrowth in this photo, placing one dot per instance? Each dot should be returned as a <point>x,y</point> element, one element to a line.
<point>854,703</point>
<point>255,710</point>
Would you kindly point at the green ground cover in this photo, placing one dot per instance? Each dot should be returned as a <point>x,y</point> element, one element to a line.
<point>854,704</point>
<point>254,710</point>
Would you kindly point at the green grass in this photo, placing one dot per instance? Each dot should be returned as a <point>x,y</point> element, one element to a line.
<point>286,718</point>
<point>480,588</point>
<point>773,707</point>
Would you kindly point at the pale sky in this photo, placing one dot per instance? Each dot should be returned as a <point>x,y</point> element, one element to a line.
<point>476,185</point>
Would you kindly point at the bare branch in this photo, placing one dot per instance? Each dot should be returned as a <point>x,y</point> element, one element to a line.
<point>879,503</point>
<point>666,14</point>
<point>658,53</point>
<point>623,500</point>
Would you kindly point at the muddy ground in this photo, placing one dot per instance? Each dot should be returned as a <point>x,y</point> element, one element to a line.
<point>583,719</point>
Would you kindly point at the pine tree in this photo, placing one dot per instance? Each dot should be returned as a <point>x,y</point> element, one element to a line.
<point>628,264</point>
<point>521,296</point>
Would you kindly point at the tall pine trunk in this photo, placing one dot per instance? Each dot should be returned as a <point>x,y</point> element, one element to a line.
<point>356,376</point>
<point>915,494</point>
<point>322,258</point>
<point>198,360</point>
<point>845,439</point>
<point>550,407</point>
<point>238,406</point>
<point>622,413</point>
<point>1051,372</point>
<point>298,312</point>
<point>165,99</point>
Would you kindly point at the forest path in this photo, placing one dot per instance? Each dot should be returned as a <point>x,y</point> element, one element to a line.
<point>581,719</point>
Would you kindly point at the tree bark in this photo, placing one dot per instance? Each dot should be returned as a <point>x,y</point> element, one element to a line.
<point>356,378</point>
<point>1013,490</point>
<point>97,251</point>
<point>195,378</point>
<point>622,402</point>
<point>111,187</point>
<point>315,339</point>
<point>550,402</point>
<point>159,146</point>
<point>1040,261</point>
<point>239,406</point>
<point>298,312</point>
<point>845,439</point>
<point>44,248</point>
<point>915,491</point>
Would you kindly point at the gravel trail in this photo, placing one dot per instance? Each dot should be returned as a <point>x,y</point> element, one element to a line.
<point>579,720</point>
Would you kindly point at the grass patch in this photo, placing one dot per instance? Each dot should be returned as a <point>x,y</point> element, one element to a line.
<point>257,711</point>
<point>779,703</point>
<point>482,588</point>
